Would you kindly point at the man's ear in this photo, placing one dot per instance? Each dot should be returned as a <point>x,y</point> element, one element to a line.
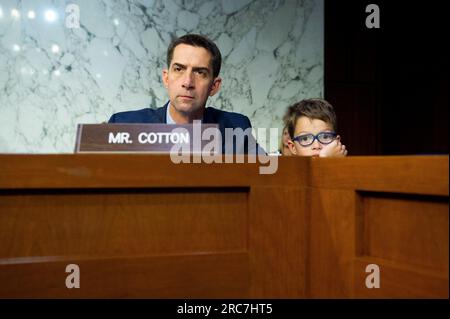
<point>291,146</point>
<point>215,86</point>
<point>165,77</point>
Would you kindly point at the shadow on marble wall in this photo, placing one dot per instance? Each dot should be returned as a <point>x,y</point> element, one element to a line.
<point>57,71</point>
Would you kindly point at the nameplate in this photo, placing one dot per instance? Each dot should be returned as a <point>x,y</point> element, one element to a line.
<point>150,138</point>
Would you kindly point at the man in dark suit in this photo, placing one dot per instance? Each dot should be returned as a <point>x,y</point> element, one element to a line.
<point>192,75</point>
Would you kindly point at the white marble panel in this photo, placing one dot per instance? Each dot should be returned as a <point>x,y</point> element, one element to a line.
<point>53,77</point>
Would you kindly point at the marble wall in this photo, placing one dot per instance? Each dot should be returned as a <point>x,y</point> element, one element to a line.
<point>56,72</point>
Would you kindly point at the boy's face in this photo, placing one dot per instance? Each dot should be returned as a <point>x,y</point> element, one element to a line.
<point>306,125</point>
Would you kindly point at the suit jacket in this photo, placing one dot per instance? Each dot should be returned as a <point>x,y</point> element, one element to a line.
<point>210,116</point>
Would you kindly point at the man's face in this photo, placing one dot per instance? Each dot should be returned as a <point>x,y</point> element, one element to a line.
<point>306,125</point>
<point>189,82</point>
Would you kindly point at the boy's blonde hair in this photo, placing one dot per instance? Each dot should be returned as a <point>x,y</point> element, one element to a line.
<point>314,109</point>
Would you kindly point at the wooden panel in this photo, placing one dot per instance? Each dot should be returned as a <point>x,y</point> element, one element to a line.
<point>114,171</point>
<point>117,224</point>
<point>188,276</point>
<point>399,281</point>
<point>140,170</point>
<point>399,174</point>
<point>302,232</point>
<point>332,243</point>
<point>278,242</point>
<point>416,228</point>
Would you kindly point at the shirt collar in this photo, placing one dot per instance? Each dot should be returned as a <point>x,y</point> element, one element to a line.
<point>169,119</point>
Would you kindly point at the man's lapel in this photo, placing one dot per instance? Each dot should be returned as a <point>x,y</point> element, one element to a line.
<point>208,116</point>
<point>161,113</point>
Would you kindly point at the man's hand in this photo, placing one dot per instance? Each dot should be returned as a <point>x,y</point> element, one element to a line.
<point>334,149</point>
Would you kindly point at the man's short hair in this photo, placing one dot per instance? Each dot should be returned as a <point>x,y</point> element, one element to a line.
<point>201,41</point>
<point>314,109</point>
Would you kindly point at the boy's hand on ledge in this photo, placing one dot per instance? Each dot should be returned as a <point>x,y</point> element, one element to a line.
<point>334,149</point>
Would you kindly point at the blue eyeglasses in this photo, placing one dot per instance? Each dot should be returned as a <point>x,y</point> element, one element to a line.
<point>323,138</point>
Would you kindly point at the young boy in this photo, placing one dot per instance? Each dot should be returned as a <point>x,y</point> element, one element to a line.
<point>311,124</point>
